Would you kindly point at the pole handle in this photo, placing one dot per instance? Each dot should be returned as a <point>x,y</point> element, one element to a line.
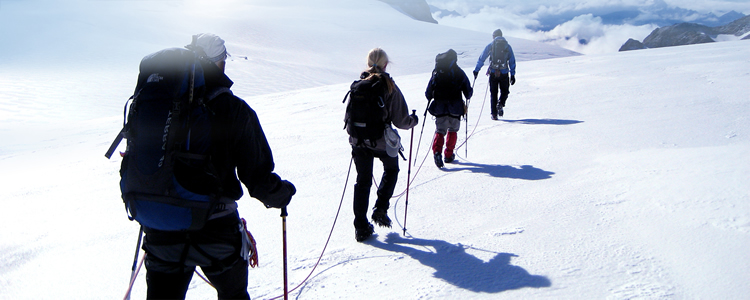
<point>283,212</point>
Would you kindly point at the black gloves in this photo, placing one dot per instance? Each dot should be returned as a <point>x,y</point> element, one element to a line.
<point>476,73</point>
<point>512,79</point>
<point>292,190</point>
<point>414,116</point>
<point>281,196</point>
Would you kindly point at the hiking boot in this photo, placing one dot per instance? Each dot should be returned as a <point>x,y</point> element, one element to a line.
<point>438,160</point>
<point>363,233</point>
<point>450,159</point>
<point>499,111</point>
<point>380,217</point>
<point>494,117</point>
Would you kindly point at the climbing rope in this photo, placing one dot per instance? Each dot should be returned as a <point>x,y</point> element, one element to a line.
<point>329,234</point>
<point>317,263</point>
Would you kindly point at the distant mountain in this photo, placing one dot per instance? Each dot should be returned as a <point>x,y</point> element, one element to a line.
<point>416,9</point>
<point>738,28</point>
<point>679,34</point>
<point>729,17</point>
<point>444,12</point>
<point>656,12</point>
<point>632,44</point>
<point>672,16</point>
<point>688,34</point>
<point>663,15</point>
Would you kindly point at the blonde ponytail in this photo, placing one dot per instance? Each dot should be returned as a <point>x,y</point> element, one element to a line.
<point>377,60</point>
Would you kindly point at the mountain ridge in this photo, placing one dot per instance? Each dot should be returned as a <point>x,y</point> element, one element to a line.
<point>688,34</point>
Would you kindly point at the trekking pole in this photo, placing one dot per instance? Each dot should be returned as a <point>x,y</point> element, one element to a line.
<point>466,120</point>
<point>283,228</point>
<point>408,173</point>
<point>424,119</point>
<point>466,128</point>
<point>135,263</point>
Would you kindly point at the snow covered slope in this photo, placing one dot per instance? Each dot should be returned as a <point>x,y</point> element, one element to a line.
<point>615,176</point>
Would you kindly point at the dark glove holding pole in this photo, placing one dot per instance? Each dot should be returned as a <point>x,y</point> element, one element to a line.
<point>414,116</point>
<point>476,73</point>
<point>292,190</point>
<point>281,196</point>
<point>512,79</point>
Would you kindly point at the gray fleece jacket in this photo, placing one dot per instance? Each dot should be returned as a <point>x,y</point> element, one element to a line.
<point>398,114</point>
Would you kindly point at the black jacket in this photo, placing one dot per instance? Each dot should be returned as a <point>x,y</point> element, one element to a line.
<point>447,93</point>
<point>240,149</point>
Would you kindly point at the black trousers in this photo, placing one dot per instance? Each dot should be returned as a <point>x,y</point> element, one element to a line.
<point>230,284</point>
<point>501,81</point>
<point>171,258</point>
<point>363,160</point>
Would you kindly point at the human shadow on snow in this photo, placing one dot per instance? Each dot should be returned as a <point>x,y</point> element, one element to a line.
<point>543,121</point>
<point>525,172</point>
<point>461,269</point>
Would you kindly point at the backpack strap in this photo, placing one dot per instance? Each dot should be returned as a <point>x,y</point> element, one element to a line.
<point>188,155</point>
<point>225,207</point>
<point>115,143</point>
<point>216,92</point>
<point>433,85</point>
<point>121,134</point>
<point>347,95</point>
<point>344,101</point>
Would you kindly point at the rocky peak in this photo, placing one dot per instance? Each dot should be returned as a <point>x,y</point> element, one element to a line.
<point>688,34</point>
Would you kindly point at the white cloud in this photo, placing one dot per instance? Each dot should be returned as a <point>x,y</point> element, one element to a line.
<point>566,23</point>
<point>715,6</point>
<point>488,19</point>
<point>526,7</point>
<point>586,34</point>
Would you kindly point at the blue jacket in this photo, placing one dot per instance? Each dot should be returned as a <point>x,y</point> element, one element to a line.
<point>486,54</point>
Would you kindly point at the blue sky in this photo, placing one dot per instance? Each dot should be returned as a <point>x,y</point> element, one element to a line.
<point>597,26</point>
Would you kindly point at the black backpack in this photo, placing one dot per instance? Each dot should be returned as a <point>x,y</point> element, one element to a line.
<point>444,80</point>
<point>366,111</point>
<point>167,178</point>
<point>499,54</point>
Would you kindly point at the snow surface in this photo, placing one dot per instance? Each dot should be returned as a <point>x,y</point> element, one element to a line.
<point>614,176</point>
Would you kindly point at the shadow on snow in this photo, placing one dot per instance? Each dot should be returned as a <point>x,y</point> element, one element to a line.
<point>525,172</point>
<point>543,121</point>
<point>461,269</point>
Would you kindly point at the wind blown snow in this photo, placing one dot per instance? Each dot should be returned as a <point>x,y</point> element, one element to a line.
<point>611,176</point>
